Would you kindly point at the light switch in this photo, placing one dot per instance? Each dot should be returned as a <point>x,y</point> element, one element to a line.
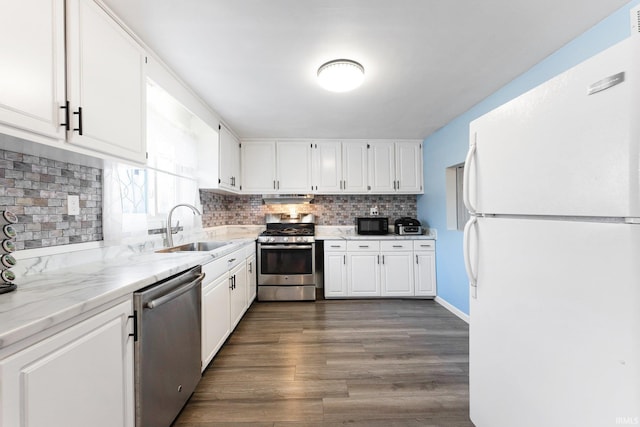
<point>73,205</point>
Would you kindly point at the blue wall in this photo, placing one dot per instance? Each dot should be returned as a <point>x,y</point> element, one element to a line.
<point>448,146</point>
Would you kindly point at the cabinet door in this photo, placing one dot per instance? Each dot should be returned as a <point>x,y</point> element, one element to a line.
<point>238,293</point>
<point>327,167</point>
<point>106,80</point>
<point>215,317</point>
<point>32,84</point>
<point>229,160</point>
<point>335,274</point>
<point>363,274</point>
<point>293,166</point>
<point>252,282</point>
<point>382,167</point>
<point>425,273</point>
<point>258,167</point>
<point>354,167</point>
<point>82,376</point>
<point>397,274</point>
<point>409,167</point>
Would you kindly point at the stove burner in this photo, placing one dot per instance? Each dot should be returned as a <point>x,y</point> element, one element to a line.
<point>288,232</point>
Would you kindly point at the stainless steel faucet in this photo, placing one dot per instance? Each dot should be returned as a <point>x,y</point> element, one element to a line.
<point>169,234</point>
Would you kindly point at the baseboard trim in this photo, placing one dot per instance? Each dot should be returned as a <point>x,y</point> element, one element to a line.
<point>462,315</point>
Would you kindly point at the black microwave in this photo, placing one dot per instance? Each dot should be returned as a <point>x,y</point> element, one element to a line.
<point>372,225</point>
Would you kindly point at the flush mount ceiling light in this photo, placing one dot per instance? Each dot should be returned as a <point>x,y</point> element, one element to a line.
<point>340,75</point>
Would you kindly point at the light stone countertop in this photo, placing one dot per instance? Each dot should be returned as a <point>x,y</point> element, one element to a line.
<point>50,298</point>
<point>53,290</point>
<point>349,233</point>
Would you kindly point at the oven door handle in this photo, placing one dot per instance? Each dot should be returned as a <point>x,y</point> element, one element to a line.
<point>175,293</point>
<point>263,247</point>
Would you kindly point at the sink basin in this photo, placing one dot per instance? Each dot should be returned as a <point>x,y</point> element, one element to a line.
<point>194,247</point>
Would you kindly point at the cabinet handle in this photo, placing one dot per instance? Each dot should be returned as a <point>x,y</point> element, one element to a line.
<point>274,184</point>
<point>344,259</point>
<point>383,259</point>
<point>66,115</point>
<point>378,259</point>
<point>250,267</point>
<point>416,259</point>
<point>231,260</point>
<point>278,184</point>
<point>335,246</point>
<point>79,114</point>
<point>363,246</point>
<point>397,246</point>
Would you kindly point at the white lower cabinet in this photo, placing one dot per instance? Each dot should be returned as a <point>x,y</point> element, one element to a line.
<point>335,269</point>
<point>363,268</point>
<point>226,295</point>
<point>237,292</point>
<point>396,269</point>
<point>81,376</point>
<point>425,267</point>
<point>252,278</point>
<point>379,268</point>
<point>215,313</point>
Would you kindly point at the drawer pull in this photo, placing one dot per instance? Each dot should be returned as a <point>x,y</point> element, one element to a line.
<point>363,246</point>
<point>398,246</point>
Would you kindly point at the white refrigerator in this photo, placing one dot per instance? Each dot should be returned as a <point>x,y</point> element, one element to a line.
<point>552,250</point>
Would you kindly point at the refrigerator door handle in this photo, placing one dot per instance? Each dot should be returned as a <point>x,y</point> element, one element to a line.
<point>466,177</point>
<point>473,280</point>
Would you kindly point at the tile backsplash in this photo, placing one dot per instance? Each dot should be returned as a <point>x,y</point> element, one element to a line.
<point>221,209</point>
<point>36,189</point>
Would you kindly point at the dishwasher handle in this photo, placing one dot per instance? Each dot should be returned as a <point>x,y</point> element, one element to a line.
<point>174,293</point>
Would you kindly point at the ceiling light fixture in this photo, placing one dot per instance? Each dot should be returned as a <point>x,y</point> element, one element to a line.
<point>340,75</point>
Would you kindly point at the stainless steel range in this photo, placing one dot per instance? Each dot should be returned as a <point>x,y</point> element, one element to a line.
<point>287,259</point>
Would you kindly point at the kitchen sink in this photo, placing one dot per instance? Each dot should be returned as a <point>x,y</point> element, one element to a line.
<point>194,247</point>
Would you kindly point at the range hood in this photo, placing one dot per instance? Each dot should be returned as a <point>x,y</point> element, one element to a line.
<point>287,199</point>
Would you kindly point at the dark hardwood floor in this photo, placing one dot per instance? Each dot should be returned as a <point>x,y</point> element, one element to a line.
<point>329,363</point>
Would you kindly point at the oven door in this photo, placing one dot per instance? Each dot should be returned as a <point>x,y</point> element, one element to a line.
<point>286,264</point>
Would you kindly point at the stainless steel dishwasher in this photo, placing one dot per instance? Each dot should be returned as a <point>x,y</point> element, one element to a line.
<point>167,347</point>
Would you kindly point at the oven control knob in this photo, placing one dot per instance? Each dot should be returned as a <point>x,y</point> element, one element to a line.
<point>272,239</point>
<point>301,239</point>
<point>285,239</point>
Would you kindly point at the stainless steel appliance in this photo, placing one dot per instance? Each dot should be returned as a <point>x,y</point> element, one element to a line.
<point>407,226</point>
<point>167,347</point>
<point>286,259</point>
<point>372,225</point>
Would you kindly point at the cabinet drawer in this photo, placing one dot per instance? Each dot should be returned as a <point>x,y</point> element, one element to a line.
<point>363,245</point>
<point>424,245</point>
<point>396,245</point>
<point>335,245</point>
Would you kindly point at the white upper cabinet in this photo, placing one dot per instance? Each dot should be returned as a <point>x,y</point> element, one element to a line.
<point>382,165</point>
<point>395,167</point>
<point>408,167</point>
<point>354,167</point>
<point>293,166</point>
<point>339,167</point>
<point>332,167</point>
<point>276,167</point>
<point>105,83</point>
<point>229,160</point>
<point>32,76</point>
<point>326,167</point>
<point>258,166</point>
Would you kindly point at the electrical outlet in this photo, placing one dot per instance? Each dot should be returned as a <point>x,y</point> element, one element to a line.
<point>73,205</point>
<point>373,211</point>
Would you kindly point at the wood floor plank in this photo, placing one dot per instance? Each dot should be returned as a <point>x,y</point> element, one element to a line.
<point>370,363</point>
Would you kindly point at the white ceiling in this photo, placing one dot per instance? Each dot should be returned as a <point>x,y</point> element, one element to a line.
<point>426,61</point>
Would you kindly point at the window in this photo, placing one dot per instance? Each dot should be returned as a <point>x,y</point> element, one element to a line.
<point>457,214</point>
<point>139,199</point>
